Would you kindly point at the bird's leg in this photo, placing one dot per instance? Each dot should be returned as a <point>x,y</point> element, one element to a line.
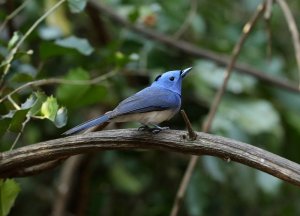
<point>156,129</point>
<point>143,127</point>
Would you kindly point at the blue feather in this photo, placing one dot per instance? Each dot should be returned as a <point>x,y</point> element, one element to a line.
<point>163,95</point>
<point>88,124</point>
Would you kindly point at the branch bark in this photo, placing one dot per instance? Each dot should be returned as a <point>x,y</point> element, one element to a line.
<point>170,140</point>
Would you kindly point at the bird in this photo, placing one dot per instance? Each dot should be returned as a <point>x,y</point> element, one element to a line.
<point>152,105</point>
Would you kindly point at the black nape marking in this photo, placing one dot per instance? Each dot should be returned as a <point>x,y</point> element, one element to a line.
<point>157,78</point>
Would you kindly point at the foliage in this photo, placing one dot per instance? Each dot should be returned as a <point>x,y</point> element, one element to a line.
<point>9,190</point>
<point>77,64</point>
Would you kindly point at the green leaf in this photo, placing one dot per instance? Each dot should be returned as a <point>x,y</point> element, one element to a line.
<point>254,116</point>
<point>95,94</point>
<point>70,94</point>
<point>50,49</point>
<point>9,191</point>
<point>29,102</point>
<point>24,73</point>
<point>4,125</point>
<point>77,6</point>
<point>17,120</point>
<point>40,99</point>
<point>212,76</point>
<point>61,117</point>
<point>134,15</point>
<point>50,32</point>
<point>50,108</point>
<point>80,44</point>
<point>14,40</point>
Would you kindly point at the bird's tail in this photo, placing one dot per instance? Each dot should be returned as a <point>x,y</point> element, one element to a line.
<point>88,124</point>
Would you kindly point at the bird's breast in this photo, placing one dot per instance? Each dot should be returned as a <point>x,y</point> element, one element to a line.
<point>154,117</point>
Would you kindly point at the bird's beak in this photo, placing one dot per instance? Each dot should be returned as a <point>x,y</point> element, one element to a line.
<point>185,72</point>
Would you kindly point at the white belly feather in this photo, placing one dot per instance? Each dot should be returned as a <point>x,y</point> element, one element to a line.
<point>154,117</point>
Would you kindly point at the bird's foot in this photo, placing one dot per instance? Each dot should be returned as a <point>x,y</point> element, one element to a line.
<point>144,128</point>
<point>157,129</point>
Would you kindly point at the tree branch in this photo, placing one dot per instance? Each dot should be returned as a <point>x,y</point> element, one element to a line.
<point>293,29</point>
<point>191,49</point>
<point>170,140</point>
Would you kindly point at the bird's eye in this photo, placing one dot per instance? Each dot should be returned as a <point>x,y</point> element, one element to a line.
<point>172,78</point>
<point>157,78</point>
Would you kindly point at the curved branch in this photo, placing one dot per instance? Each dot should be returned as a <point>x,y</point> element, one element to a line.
<point>293,29</point>
<point>170,140</point>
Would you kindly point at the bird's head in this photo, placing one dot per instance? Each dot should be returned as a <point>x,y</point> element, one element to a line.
<point>171,80</point>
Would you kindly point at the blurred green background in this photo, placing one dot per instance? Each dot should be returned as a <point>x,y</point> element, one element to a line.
<point>104,63</point>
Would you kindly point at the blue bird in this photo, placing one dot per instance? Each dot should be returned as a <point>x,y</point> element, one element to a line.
<point>152,105</point>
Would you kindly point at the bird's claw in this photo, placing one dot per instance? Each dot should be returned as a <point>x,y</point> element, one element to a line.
<point>156,130</point>
<point>143,128</point>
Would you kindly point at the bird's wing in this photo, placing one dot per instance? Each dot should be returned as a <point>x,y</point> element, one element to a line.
<point>147,100</point>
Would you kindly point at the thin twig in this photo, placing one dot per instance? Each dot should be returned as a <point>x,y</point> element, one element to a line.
<point>293,29</point>
<point>21,131</point>
<point>192,134</point>
<point>191,49</point>
<point>65,184</point>
<point>213,109</point>
<point>15,105</point>
<point>12,53</point>
<point>13,14</point>
<point>236,51</point>
<point>268,11</point>
<point>267,17</point>
<point>183,185</point>
<point>60,81</point>
<point>188,20</point>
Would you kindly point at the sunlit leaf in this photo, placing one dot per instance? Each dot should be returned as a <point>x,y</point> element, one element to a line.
<point>50,108</point>
<point>58,19</point>
<point>80,44</point>
<point>13,41</point>
<point>40,98</point>
<point>77,6</point>
<point>9,191</point>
